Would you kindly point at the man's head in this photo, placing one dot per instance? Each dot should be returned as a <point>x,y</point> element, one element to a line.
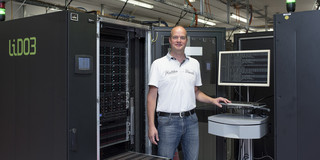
<point>178,39</point>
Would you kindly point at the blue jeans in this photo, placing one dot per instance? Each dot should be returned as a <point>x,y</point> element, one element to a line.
<point>172,130</point>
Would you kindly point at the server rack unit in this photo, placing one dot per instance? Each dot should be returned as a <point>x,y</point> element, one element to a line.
<point>121,66</point>
<point>114,91</point>
<point>48,87</point>
<point>253,41</point>
<point>297,85</point>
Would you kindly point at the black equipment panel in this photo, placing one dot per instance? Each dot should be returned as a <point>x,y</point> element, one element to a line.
<point>297,85</point>
<point>47,111</point>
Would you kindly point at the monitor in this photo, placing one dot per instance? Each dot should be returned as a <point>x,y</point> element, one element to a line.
<point>244,68</point>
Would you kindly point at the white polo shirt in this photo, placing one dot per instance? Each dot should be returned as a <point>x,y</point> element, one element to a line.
<point>175,83</point>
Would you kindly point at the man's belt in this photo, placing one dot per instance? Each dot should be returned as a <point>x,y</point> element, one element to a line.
<point>181,114</point>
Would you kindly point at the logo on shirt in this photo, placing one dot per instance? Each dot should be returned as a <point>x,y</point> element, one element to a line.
<point>171,72</point>
<point>189,71</point>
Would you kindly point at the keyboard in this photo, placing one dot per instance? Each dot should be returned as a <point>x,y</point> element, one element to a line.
<point>244,104</point>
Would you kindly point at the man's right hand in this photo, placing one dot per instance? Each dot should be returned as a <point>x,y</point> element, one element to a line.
<point>153,135</point>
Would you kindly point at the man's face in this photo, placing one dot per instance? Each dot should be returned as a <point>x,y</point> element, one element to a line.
<point>178,39</point>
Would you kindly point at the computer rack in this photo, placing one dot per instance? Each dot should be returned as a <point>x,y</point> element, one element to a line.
<point>114,88</point>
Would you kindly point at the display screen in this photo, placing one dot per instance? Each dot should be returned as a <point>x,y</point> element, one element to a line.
<point>84,63</point>
<point>244,68</point>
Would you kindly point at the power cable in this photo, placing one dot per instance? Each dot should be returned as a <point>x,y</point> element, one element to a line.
<point>180,17</point>
<point>267,156</point>
<point>122,9</point>
<point>209,7</point>
<point>195,13</point>
<point>68,4</point>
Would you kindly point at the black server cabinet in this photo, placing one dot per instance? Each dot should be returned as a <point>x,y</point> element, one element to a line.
<point>48,87</point>
<point>257,41</point>
<point>121,86</point>
<point>297,86</point>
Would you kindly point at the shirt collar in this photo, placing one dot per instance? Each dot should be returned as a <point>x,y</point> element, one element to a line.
<point>171,57</point>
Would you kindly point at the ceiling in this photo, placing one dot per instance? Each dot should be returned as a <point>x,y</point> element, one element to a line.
<point>177,12</point>
<point>170,11</point>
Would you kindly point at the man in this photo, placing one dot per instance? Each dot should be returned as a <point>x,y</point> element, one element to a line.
<point>175,79</point>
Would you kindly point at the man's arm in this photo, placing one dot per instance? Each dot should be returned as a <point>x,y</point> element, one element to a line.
<point>200,96</point>
<point>151,107</point>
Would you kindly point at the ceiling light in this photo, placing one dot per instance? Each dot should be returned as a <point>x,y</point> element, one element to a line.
<point>192,1</point>
<point>238,18</point>
<point>206,22</point>
<point>141,4</point>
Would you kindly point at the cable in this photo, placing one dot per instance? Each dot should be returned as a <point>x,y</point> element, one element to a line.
<point>154,40</point>
<point>195,12</point>
<point>122,9</point>
<point>193,19</point>
<point>209,7</point>
<point>206,4</point>
<point>263,98</point>
<point>233,31</point>
<point>18,8</point>
<point>68,4</point>
<point>83,9</point>
<point>11,11</point>
<point>251,16</point>
<point>242,143</point>
<point>180,17</point>
<point>267,156</point>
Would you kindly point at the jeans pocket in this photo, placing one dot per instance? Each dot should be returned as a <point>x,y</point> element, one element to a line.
<point>162,120</point>
<point>194,117</point>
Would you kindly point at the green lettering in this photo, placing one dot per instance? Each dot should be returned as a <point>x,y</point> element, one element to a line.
<point>11,54</point>
<point>23,46</point>
<point>20,46</point>
<point>34,39</point>
<point>26,43</point>
<point>14,48</point>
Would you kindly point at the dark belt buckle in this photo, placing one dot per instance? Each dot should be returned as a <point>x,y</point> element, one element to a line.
<point>181,114</point>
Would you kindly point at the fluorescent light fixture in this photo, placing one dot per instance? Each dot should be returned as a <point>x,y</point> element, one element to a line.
<point>206,22</point>
<point>238,18</point>
<point>54,9</point>
<point>141,4</point>
<point>192,1</point>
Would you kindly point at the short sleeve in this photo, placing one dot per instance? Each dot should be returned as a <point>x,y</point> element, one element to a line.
<point>198,76</point>
<point>154,74</point>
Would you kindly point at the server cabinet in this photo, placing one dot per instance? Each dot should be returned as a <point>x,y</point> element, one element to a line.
<point>121,83</point>
<point>256,41</point>
<point>48,87</point>
<point>297,84</point>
